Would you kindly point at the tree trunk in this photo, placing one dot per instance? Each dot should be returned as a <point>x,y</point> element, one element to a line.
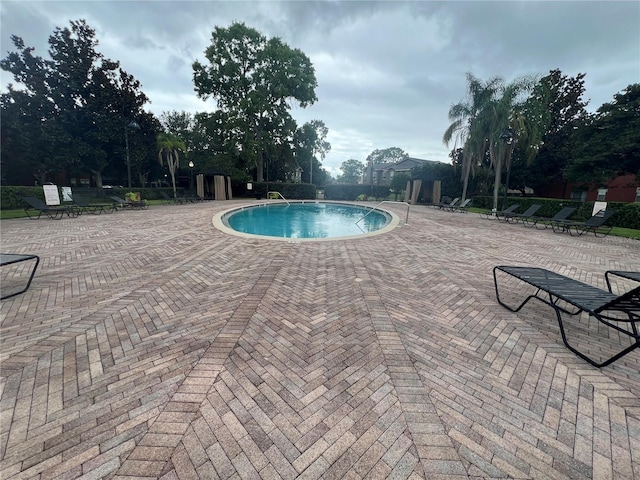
<point>260,168</point>
<point>466,169</point>
<point>142,177</point>
<point>172,171</point>
<point>260,159</point>
<point>98,179</point>
<point>496,186</point>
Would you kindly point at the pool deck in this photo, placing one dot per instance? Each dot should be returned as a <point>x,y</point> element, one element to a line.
<point>152,345</point>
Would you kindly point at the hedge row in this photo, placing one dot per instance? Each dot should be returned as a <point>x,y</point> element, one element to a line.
<point>10,196</point>
<point>290,191</point>
<point>627,214</point>
<point>352,192</point>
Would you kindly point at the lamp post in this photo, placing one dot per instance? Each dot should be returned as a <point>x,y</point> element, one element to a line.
<point>507,137</point>
<point>135,126</point>
<point>191,165</point>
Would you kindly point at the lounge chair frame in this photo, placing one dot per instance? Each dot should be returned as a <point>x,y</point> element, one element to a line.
<point>93,208</point>
<point>121,203</point>
<point>542,223</point>
<point>166,198</point>
<point>516,217</point>
<point>572,297</point>
<point>448,206</point>
<point>463,207</point>
<point>491,214</point>
<point>12,258</point>
<point>595,224</point>
<point>635,276</point>
<point>52,212</point>
<point>443,201</point>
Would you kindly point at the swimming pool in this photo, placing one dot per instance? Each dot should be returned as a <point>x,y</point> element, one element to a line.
<point>297,221</point>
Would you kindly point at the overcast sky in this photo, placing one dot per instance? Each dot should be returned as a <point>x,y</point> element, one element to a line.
<point>387,71</point>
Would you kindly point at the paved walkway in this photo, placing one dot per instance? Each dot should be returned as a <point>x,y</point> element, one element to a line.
<point>151,345</point>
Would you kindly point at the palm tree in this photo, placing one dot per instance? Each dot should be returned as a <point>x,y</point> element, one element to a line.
<point>169,147</point>
<point>500,113</point>
<point>463,128</point>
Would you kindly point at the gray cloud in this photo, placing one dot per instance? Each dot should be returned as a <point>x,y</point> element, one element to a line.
<point>387,71</point>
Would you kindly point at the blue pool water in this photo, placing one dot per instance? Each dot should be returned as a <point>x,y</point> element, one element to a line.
<point>306,220</point>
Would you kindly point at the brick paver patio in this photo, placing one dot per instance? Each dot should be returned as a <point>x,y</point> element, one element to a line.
<point>151,345</point>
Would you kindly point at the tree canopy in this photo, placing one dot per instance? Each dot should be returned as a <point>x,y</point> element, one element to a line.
<point>387,155</point>
<point>552,137</point>
<point>352,170</point>
<point>310,141</point>
<point>67,112</point>
<point>556,101</point>
<point>492,113</point>
<point>254,82</point>
<point>610,141</point>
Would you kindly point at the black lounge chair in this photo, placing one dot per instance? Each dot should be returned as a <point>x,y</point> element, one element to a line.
<point>446,206</point>
<point>93,208</point>
<point>444,201</point>
<point>572,297</point>
<point>516,217</point>
<point>542,222</point>
<point>635,276</point>
<point>452,206</point>
<point>12,259</point>
<point>53,212</point>
<point>463,207</point>
<point>507,211</point>
<point>595,224</point>
<point>177,200</point>
<point>120,203</point>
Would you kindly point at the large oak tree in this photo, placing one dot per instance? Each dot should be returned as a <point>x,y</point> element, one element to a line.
<point>255,81</point>
<point>67,112</point>
<point>610,142</point>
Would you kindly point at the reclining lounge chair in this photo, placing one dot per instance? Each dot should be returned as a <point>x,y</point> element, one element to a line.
<point>445,205</point>
<point>93,208</point>
<point>516,217</point>
<point>176,200</point>
<point>572,297</point>
<point>120,203</point>
<point>595,224</point>
<point>463,207</point>
<point>443,201</point>
<point>507,211</point>
<point>634,276</point>
<point>541,222</point>
<point>53,212</point>
<point>13,259</point>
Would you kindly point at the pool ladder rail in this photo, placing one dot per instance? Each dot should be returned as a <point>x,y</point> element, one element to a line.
<point>406,222</point>
<point>277,194</point>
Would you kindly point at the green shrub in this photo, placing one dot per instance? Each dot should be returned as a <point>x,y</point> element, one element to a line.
<point>9,195</point>
<point>354,192</point>
<point>290,191</point>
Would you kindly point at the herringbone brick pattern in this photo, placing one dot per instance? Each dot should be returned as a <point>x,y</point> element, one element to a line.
<point>151,345</point>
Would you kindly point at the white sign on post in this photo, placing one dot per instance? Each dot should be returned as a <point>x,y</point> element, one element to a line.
<point>597,206</point>
<point>66,194</point>
<point>51,196</point>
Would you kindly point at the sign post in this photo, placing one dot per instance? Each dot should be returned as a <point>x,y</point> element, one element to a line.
<point>51,195</point>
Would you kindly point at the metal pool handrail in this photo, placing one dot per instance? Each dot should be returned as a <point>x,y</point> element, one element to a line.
<point>387,201</point>
<point>279,194</point>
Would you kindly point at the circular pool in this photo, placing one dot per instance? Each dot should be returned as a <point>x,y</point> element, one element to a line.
<point>299,221</point>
